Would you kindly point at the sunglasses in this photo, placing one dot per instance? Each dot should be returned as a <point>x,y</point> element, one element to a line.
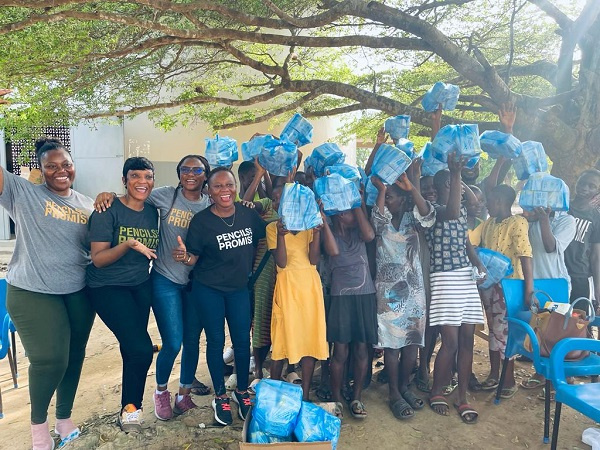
<point>192,170</point>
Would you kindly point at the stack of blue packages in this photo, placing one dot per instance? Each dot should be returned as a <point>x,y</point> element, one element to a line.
<point>277,406</point>
<point>371,193</point>
<point>317,425</point>
<point>298,208</point>
<point>430,165</point>
<point>347,171</point>
<point>298,130</point>
<point>532,159</point>
<point>497,266</point>
<point>407,147</point>
<point>462,139</point>
<point>389,163</point>
<point>253,147</point>
<point>324,155</point>
<point>542,189</point>
<point>441,93</point>
<point>496,144</point>
<point>221,151</point>
<point>257,436</point>
<point>397,127</point>
<point>337,193</point>
<point>278,156</point>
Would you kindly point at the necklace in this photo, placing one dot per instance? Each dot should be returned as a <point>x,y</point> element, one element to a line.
<point>223,220</point>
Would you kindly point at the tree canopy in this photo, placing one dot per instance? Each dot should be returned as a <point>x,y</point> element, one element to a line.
<point>233,63</point>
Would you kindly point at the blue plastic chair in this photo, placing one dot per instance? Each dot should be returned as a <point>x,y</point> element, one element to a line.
<point>5,350</point>
<point>518,316</point>
<point>584,398</point>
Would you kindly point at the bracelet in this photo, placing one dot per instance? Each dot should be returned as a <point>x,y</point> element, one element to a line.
<point>187,261</point>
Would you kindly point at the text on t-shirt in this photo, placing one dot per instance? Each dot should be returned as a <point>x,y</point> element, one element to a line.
<point>65,212</point>
<point>235,239</point>
<point>145,236</point>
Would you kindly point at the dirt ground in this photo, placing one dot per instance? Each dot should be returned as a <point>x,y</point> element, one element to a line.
<point>515,423</point>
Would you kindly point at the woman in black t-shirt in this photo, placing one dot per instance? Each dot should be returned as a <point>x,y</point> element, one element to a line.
<point>220,243</point>
<point>123,242</point>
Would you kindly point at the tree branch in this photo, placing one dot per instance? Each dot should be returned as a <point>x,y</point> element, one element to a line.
<point>554,12</point>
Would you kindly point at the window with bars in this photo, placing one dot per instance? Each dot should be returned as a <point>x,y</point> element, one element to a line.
<point>21,153</point>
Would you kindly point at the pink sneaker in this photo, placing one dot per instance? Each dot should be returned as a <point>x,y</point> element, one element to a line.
<point>184,405</point>
<point>162,406</point>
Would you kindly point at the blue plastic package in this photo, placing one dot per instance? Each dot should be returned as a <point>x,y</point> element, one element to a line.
<point>462,139</point>
<point>389,163</point>
<point>257,436</point>
<point>278,156</point>
<point>430,165</point>
<point>298,130</point>
<point>317,425</point>
<point>542,189</point>
<point>253,147</point>
<point>337,193</point>
<point>496,144</point>
<point>441,93</point>
<point>324,155</point>
<point>347,171</point>
<point>532,159</point>
<point>407,147</point>
<point>277,405</point>
<point>497,266</point>
<point>221,151</point>
<point>371,193</point>
<point>298,208</point>
<point>397,127</point>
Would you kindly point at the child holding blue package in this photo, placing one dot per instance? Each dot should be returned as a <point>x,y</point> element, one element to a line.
<point>298,315</point>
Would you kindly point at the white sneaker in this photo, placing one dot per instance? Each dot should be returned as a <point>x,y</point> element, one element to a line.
<point>231,382</point>
<point>130,421</point>
<point>228,355</point>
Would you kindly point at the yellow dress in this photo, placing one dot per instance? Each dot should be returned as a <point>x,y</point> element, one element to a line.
<point>298,318</point>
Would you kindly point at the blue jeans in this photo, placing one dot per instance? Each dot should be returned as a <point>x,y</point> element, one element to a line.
<point>178,323</point>
<point>214,307</point>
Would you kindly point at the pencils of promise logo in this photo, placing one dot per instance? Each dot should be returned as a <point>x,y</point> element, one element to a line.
<point>235,239</point>
<point>65,212</point>
<point>147,237</point>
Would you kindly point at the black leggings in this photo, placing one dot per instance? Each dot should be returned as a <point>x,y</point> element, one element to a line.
<point>125,310</point>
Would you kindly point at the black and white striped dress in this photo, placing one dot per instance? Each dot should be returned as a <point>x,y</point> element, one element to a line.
<point>454,296</point>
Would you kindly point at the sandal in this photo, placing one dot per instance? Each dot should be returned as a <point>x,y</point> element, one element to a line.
<point>293,378</point>
<point>382,376</point>
<point>474,384</point>
<point>424,385</point>
<point>542,395</point>
<point>532,383</point>
<point>69,438</point>
<point>508,392</point>
<point>339,410</point>
<point>467,413</point>
<point>415,402</point>
<point>252,387</point>
<point>401,409</point>
<point>439,400</point>
<point>489,384</point>
<point>231,383</point>
<point>357,409</point>
<point>347,393</point>
<point>323,394</point>
<point>199,388</point>
<point>447,390</point>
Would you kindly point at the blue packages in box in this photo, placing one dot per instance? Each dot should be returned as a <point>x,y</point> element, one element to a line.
<point>298,208</point>
<point>397,127</point>
<point>221,151</point>
<point>462,139</point>
<point>496,144</point>
<point>278,156</point>
<point>389,163</point>
<point>298,130</point>
<point>257,436</point>
<point>337,193</point>
<point>542,189</point>
<point>324,155</point>
<point>314,424</point>
<point>441,94</point>
<point>496,265</point>
<point>277,407</point>
<point>407,147</point>
<point>532,159</point>
<point>253,147</point>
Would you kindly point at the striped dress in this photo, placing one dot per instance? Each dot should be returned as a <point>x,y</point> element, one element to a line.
<point>454,295</point>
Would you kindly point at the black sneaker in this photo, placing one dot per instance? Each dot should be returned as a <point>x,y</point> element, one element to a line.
<point>244,403</point>
<point>222,410</point>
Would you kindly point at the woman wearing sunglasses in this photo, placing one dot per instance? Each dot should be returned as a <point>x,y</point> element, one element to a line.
<point>177,206</point>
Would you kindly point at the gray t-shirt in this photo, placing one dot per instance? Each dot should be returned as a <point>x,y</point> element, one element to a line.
<point>51,252</point>
<point>175,219</point>
<point>552,265</point>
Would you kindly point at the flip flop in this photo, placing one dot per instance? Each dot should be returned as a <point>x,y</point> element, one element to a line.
<point>399,407</point>
<point>532,383</point>
<point>360,412</point>
<point>489,384</point>
<point>439,400</point>
<point>339,410</point>
<point>474,384</point>
<point>323,394</point>
<point>449,389</point>
<point>252,387</point>
<point>415,402</point>
<point>507,393</point>
<point>423,385</point>
<point>293,378</point>
<point>542,395</point>
<point>465,410</point>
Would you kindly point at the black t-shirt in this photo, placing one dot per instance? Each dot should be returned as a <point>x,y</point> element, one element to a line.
<point>577,254</point>
<point>226,253</point>
<point>118,224</point>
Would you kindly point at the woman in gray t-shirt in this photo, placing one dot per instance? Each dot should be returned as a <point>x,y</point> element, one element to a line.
<point>46,280</point>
